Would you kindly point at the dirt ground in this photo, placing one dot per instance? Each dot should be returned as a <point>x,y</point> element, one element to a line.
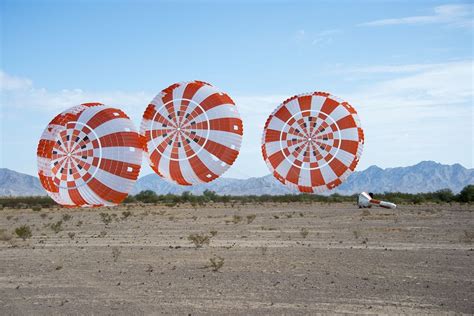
<point>291,259</point>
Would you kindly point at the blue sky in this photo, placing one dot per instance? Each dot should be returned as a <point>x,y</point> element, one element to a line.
<point>406,66</point>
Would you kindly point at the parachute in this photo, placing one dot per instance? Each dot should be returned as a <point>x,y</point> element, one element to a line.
<point>192,133</point>
<point>89,155</point>
<point>312,142</point>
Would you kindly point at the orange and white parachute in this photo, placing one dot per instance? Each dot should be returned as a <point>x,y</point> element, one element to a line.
<point>312,142</point>
<point>192,132</point>
<point>89,155</point>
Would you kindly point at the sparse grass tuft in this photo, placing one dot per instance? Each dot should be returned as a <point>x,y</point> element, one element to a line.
<point>115,253</point>
<point>126,214</point>
<point>23,232</point>
<point>304,232</point>
<point>236,219</point>
<point>57,227</point>
<point>213,232</point>
<point>468,236</point>
<point>66,217</point>
<point>36,208</point>
<point>106,218</point>
<point>71,235</point>
<point>216,263</point>
<point>199,239</point>
<point>43,215</point>
<point>251,218</point>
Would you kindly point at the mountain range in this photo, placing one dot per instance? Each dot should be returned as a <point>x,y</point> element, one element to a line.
<point>426,176</point>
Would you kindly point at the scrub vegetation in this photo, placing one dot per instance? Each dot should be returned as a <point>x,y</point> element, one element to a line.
<point>171,200</point>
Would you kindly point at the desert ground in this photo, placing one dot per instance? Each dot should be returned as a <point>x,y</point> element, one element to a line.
<point>259,259</point>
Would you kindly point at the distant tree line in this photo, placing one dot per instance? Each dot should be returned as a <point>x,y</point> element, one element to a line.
<point>150,197</point>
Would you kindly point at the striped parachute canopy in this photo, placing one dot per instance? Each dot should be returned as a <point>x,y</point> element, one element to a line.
<point>89,155</point>
<point>312,142</point>
<point>192,132</point>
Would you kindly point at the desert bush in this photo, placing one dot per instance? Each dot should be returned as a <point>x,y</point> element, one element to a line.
<point>251,218</point>
<point>27,202</point>
<point>236,219</point>
<point>126,214</point>
<point>66,217</point>
<point>467,194</point>
<point>106,218</point>
<point>23,232</point>
<point>57,227</point>
<point>36,208</point>
<point>216,263</point>
<point>468,236</point>
<point>116,253</point>
<point>71,235</point>
<point>304,232</point>
<point>199,240</point>
<point>147,196</point>
<point>129,199</point>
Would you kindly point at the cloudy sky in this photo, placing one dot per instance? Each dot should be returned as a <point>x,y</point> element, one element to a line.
<point>406,66</point>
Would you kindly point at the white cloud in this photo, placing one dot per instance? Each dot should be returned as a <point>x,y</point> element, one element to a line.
<point>325,37</point>
<point>21,94</point>
<point>8,83</point>
<point>425,114</point>
<point>319,38</point>
<point>441,84</point>
<point>452,14</point>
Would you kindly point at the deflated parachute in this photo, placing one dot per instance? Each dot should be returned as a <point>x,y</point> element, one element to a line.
<point>312,142</point>
<point>89,155</point>
<point>192,132</point>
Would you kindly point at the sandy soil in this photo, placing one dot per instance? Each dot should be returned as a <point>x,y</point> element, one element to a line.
<point>290,259</point>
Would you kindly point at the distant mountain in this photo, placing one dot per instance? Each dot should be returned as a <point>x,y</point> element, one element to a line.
<point>427,176</point>
<point>252,186</point>
<point>13,183</point>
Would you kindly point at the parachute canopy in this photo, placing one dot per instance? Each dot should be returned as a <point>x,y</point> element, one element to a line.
<point>312,142</point>
<point>89,155</point>
<point>192,132</point>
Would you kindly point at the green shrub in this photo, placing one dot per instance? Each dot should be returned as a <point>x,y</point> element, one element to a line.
<point>23,232</point>
<point>467,194</point>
